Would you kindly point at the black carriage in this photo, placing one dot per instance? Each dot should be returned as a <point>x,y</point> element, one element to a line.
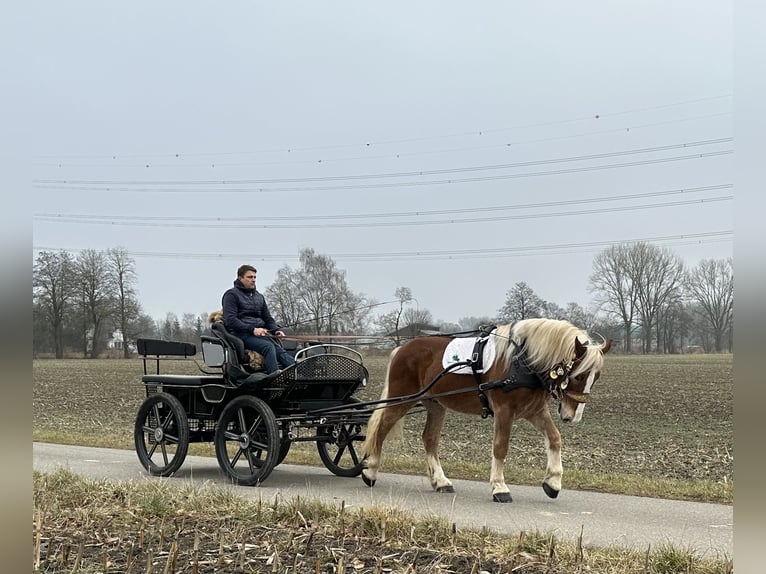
<point>251,418</point>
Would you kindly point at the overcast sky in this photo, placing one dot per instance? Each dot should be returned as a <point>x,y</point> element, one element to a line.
<point>200,136</point>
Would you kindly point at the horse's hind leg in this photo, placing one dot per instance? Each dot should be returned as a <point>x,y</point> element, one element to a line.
<point>431,435</point>
<point>554,471</point>
<point>380,424</point>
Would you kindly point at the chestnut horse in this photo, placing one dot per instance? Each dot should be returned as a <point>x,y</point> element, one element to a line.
<point>536,359</point>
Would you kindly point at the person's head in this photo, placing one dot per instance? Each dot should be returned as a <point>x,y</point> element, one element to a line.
<point>246,275</point>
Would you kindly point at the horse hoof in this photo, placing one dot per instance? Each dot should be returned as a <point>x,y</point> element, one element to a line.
<point>551,492</point>
<point>448,488</point>
<point>502,497</point>
<point>367,481</point>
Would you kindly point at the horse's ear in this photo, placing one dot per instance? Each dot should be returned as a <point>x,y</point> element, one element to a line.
<point>580,348</point>
<point>606,347</point>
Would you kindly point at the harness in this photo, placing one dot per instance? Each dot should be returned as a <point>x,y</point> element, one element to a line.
<point>521,375</point>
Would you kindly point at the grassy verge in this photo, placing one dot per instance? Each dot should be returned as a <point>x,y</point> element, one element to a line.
<point>91,526</point>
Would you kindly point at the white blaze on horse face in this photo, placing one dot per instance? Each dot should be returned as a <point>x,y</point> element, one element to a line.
<point>581,406</point>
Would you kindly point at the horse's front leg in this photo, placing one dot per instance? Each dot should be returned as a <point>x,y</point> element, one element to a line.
<point>503,424</point>
<point>554,471</point>
<point>431,435</point>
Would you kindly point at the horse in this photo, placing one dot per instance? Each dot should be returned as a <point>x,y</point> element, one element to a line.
<point>536,359</point>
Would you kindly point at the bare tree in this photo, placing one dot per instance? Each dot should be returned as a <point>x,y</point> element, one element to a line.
<point>284,302</point>
<point>657,275</point>
<point>318,289</point>
<point>711,286</point>
<point>96,286</point>
<point>578,316</point>
<point>390,322</point>
<point>674,327</point>
<point>471,323</point>
<point>614,288</point>
<point>553,310</point>
<point>417,318</point>
<point>53,288</point>
<point>521,303</point>
<point>127,309</point>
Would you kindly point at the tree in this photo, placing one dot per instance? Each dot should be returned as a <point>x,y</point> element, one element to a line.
<point>711,286</point>
<point>170,327</point>
<point>123,270</point>
<point>615,289</point>
<point>552,310</point>
<point>390,322</point>
<point>472,323</point>
<point>674,326</point>
<point>144,326</point>
<point>521,303</point>
<point>658,275</point>
<point>417,319</point>
<point>317,289</point>
<point>579,317</point>
<point>53,288</point>
<point>96,286</point>
<point>284,302</point>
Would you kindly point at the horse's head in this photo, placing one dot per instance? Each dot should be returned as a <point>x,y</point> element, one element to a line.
<point>572,384</point>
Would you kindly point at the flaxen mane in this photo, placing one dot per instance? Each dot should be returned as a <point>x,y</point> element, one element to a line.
<point>548,342</point>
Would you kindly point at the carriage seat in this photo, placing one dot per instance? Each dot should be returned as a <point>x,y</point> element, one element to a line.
<point>233,342</point>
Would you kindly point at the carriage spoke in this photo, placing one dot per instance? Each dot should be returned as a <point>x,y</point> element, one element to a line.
<point>242,423</point>
<point>164,454</point>
<point>352,452</point>
<point>235,458</point>
<point>254,427</point>
<point>339,455</point>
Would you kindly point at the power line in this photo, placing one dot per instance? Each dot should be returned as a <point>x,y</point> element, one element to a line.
<point>420,213</point>
<point>395,184</point>
<point>415,173</point>
<point>516,251</point>
<point>381,223</point>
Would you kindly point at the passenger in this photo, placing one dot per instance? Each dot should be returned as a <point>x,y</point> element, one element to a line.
<point>246,315</point>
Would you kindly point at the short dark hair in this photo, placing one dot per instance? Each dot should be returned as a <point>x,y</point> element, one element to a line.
<point>244,269</point>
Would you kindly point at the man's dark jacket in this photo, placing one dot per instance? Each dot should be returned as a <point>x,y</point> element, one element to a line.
<point>245,309</point>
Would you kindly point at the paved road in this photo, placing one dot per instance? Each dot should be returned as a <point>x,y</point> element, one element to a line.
<point>605,519</point>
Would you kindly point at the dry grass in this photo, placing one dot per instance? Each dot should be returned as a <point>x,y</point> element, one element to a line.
<point>655,425</point>
<point>85,526</point>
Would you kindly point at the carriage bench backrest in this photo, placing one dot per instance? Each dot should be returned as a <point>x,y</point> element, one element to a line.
<point>157,348</point>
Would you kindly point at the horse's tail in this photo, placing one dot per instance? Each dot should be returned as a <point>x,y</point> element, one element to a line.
<point>374,422</point>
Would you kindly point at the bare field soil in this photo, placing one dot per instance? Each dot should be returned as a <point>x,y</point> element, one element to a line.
<point>663,418</point>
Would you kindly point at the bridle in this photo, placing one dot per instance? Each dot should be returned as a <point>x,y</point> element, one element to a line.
<point>556,380</point>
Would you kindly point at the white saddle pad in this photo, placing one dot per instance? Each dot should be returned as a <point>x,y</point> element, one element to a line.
<point>461,349</point>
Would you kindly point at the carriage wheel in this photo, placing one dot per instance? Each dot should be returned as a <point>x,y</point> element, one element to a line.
<point>247,442</point>
<point>341,452</point>
<point>161,434</point>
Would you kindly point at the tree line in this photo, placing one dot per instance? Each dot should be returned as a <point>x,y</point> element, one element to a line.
<point>643,297</point>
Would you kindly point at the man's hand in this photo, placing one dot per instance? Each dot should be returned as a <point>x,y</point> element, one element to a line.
<point>260,332</point>
<point>280,334</point>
